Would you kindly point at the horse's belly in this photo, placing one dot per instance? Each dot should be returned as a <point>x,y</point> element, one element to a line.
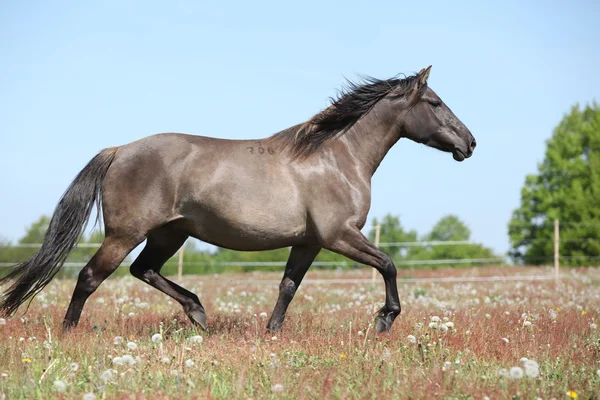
<point>251,230</point>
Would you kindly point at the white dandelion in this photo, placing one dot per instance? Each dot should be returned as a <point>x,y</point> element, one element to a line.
<point>435,318</point>
<point>118,361</point>
<point>189,363</point>
<point>157,338</point>
<point>127,359</point>
<point>263,315</point>
<point>60,386</point>
<point>118,340</point>
<point>516,372</point>
<point>132,346</point>
<point>106,375</point>
<point>196,339</point>
<point>593,326</point>
<point>278,387</point>
<point>89,396</point>
<point>165,360</point>
<point>450,324</point>
<point>74,366</point>
<point>527,324</point>
<point>412,339</point>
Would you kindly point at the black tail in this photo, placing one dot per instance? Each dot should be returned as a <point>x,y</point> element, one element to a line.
<point>66,227</point>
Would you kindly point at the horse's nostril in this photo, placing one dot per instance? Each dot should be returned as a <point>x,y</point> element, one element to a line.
<point>473,144</point>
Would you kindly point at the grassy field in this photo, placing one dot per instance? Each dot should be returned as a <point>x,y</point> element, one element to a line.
<point>472,340</point>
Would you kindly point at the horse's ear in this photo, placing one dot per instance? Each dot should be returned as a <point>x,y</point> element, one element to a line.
<point>423,75</point>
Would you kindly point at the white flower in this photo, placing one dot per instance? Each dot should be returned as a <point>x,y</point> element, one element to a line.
<point>450,325</point>
<point>189,363</point>
<point>447,365</point>
<point>2,321</point>
<point>165,360</point>
<point>118,340</point>
<point>523,360</point>
<point>503,372</point>
<point>435,318</point>
<point>60,386</point>
<point>196,339</point>
<point>263,315</point>
<point>106,375</point>
<point>488,316</point>
<point>412,339</point>
<point>118,361</point>
<point>47,345</point>
<point>274,338</point>
<point>593,326</point>
<point>527,323</point>
<point>89,396</point>
<point>598,372</point>
<point>132,346</point>
<point>516,373</point>
<point>74,366</point>
<point>505,340</point>
<point>131,315</point>
<point>157,338</point>
<point>443,327</point>
<point>127,359</point>
<point>532,372</point>
<point>433,325</point>
<point>278,387</point>
<point>531,364</point>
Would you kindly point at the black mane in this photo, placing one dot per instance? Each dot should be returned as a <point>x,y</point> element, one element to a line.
<point>352,103</point>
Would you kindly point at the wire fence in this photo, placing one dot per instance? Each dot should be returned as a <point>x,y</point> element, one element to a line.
<point>224,266</point>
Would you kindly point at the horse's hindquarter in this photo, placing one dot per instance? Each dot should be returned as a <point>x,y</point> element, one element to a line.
<point>242,195</point>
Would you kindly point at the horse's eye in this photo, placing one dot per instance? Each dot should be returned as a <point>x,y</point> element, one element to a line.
<point>435,103</point>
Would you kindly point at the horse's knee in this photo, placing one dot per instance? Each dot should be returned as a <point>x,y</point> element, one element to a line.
<point>287,289</point>
<point>388,269</point>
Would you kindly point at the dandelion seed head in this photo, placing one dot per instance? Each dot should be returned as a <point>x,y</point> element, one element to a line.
<point>516,372</point>
<point>128,359</point>
<point>278,387</point>
<point>106,375</point>
<point>118,340</point>
<point>89,396</point>
<point>118,361</point>
<point>435,318</point>
<point>60,386</point>
<point>196,339</point>
<point>189,363</point>
<point>527,323</point>
<point>157,338</point>
<point>165,360</point>
<point>593,326</point>
<point>450,324</point>
<point>132,346</point>
<point>412,339</point>
<point>74,366</point>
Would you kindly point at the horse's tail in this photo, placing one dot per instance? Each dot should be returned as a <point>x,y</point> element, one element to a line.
<point>65,229</point>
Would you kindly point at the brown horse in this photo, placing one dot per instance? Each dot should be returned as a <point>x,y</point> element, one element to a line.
<point>308,187</point>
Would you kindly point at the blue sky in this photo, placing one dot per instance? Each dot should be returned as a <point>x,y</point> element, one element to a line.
<point>77,77</point>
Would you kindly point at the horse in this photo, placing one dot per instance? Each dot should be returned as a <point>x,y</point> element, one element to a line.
<point>307,187</point>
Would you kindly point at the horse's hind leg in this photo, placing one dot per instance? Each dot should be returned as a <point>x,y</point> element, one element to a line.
<point>107,259</point>
<point>162,244</point>
<point>301,257</point>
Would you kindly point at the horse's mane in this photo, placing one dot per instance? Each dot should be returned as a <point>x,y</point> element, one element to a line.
<point>352,102</point>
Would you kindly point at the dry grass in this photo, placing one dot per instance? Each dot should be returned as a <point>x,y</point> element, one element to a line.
<point>327,349</point>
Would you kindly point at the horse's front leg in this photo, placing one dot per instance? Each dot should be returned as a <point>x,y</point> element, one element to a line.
<point>354,245</point>
<point>301,257</point>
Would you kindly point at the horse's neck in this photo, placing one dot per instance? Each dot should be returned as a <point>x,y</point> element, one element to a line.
<point>370,139</point>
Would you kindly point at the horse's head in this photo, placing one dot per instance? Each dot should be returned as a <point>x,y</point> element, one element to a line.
<point>428,120</point>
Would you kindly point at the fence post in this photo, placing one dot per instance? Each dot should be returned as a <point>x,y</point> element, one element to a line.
<point>377,232</point>
<point>180,264</point>
<point>556,251</point>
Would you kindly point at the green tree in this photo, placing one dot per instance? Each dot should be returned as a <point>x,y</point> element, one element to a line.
<point>451,228</point>
<point>391,231</point>
<point>567,188</point>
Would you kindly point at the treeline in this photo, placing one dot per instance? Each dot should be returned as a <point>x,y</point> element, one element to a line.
<point>196,261</point>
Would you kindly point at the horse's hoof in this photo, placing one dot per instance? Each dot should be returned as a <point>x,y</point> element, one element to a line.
<point>198,316</point>
<point>382,325</point>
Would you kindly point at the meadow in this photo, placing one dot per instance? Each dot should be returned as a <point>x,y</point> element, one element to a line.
<point>464,340</point>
